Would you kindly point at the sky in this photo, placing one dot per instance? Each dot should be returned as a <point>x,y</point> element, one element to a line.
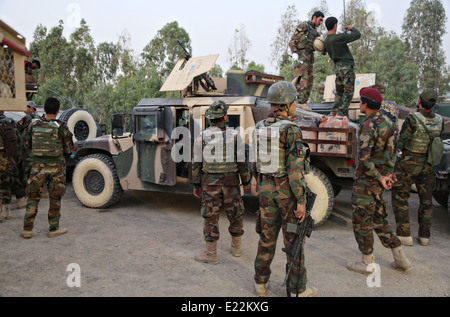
<point>210,24</point>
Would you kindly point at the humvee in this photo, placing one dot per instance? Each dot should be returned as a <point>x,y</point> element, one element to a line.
<point>141,157</point>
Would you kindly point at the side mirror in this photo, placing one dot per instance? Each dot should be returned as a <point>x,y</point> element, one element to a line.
<point>118,122</point>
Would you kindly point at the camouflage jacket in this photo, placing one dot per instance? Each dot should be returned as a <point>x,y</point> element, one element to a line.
<point>201,178</point>
<point>410,127</point>
<point>293,184</point>
<point>376,151</point>
<point>303,38</point>
<point>64,135</point>
<point>11,122</point>
<point>23,125</point>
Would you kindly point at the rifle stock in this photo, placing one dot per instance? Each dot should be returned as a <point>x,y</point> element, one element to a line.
<point>301,230</point>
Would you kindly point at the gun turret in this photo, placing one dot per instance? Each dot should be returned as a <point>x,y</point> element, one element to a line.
<point>204,80</point>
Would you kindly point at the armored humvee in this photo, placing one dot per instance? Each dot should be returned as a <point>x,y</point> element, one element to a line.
<point>147,155</point>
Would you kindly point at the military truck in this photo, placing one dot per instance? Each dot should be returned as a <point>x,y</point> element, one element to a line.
<point>141,157</point>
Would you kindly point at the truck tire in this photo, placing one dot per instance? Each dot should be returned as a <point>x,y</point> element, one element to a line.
<point>96,183</point>
<point>441,197</point>
<point>448,205</point>
<point>80,123</point>
<point>319,184</point>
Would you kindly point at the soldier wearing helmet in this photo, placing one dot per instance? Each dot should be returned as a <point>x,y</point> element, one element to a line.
<point>217,176</point>
<point>280,165</point>
<point>412,168</point>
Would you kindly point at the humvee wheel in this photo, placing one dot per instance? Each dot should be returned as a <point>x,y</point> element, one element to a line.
<point>319,184</point>
<point>448,205</point>
<point>96,183</point>
<point>441,197</point>
<point>80,123</point>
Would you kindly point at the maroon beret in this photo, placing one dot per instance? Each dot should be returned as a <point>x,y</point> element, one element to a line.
<point>371,93</point>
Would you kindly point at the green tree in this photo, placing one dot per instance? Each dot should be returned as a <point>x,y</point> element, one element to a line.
<point>237,51</point>
<point>365,21</point>
<point>399,76</point>
<point>163,51</point>
<point>256,67</point>
<point>280,47</point>
<point>423,29</point>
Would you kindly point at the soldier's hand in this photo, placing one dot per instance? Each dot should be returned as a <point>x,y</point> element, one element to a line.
<point>198,192</point>
<point>300,213</point>
<point>295,57</point>
<point>254,189</point>
<point>386,182</point>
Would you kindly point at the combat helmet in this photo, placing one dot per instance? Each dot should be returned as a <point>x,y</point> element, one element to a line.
<point>282,93</point>
<point>217,110</point>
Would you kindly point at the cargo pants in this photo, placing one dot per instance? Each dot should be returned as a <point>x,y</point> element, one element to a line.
<point>369,214</point>
<point>273,215</point>
<point>345,88</point>
<point>413,169</point>
<point>216,198</point>
<point>304,74</point>
<point>54,175</point>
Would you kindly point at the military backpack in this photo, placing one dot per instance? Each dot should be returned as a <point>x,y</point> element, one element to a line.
<point>8,139</point>
<point>435,149</point>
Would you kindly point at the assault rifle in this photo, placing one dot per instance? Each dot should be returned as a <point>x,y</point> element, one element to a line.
<point>204,80</point>
<point>301,230</point>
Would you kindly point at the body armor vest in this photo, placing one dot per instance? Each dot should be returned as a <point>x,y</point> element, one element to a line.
<point>219,151</point>
<point>45,138</point>
<point>308,42</point>
<point>270,157</point>
<point>420,140</point>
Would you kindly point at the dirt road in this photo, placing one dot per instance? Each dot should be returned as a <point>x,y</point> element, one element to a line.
<point>145,247</point>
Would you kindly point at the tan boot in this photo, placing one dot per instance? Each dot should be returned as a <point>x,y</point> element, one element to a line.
<point>210,255</point>
<point>22,203</point>
<point>236,246</point>
<point>408,241</point>
<point>309,292</point>
<point>401,262</point>
<point>424,241</point>
<point>261,289</point>
<point>6,212</point>
<point>26,234</point>
<point>57,233</point>
<point>363,266</point>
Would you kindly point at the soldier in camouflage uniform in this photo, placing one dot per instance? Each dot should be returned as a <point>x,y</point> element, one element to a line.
<point>217,174</point>
<point>22,170</point>
<point>279,169</point>
<point>412,167</point>
<point>8,159</point>
<point>49,140</point>
<point>302,49</point>
<point>376,159</point>
<point>337,48</point>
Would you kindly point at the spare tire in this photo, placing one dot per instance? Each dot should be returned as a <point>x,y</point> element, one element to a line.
<point>81,124</point>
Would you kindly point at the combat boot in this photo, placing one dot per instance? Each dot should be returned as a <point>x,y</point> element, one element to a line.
<point>210,255</point>
<point>236,246</point>
<point>408,241</point>
<point>56,233</point>
<point>424,241</point>
<point>6,212</point>
<point>22,203</point>
<point>363,266</point>
<point>309,292</point>
<point>26,234</point>
<point>261,289</point>
<point>401,262</point>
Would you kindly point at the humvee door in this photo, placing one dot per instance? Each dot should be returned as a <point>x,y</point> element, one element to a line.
<point>152,135</point>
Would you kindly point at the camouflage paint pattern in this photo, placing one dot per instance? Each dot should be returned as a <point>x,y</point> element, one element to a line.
<point>376,158</point>
<point>278,199</point>
<point>5,179</point>
<point>345,88</point>
<point>54,175</point>
<point>412,168</point>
